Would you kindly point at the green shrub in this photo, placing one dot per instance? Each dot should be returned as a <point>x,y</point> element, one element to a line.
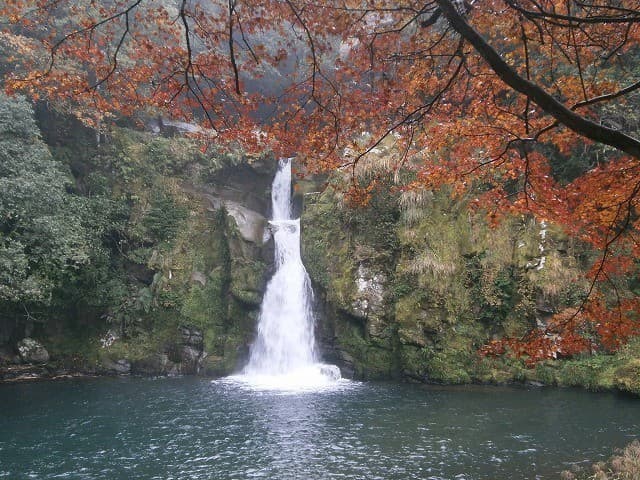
<point>627,377</point>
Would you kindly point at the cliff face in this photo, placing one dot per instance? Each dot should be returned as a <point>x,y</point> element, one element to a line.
<point>176,261</point>
<point>414,284</point>
<point>177,265</point>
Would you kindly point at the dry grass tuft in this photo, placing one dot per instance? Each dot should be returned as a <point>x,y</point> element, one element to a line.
<point>625,465</point>
<point>430,262</point>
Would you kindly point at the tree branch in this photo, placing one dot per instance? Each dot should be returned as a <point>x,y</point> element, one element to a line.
<point>232,55</point>
<point>572,120</point>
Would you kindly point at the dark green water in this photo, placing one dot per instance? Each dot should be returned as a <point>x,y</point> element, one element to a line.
<point>189,428</point>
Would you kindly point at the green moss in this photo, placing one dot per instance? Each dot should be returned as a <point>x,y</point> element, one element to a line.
<point>158,258</point>
<point>627,377</point>
<point>247,280</point>
<point>145,342</point>
<point>497,371</point>
<point>546,373</point>
<point>450,360</point>
<point>380,363</point>
<point>413,361</point>
<point>452,282</point>
<point>593,373</point>
<point>350,339</point>
<point>327,249</point>
<point>73,349</point>
<point>448,367</point>
<point>215,366</point>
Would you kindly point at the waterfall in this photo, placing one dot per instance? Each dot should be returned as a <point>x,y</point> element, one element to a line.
<point>284,347</point>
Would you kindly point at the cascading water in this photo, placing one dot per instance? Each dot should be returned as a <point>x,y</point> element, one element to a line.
<point>284,349</point>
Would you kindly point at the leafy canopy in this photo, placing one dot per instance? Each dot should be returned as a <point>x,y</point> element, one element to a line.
<point>40,230</point>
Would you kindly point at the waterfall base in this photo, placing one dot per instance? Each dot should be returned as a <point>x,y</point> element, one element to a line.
<point>317,376</point>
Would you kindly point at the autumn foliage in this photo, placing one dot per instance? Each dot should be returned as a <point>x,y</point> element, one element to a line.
<point>481,96</point>
<point>595,328</point>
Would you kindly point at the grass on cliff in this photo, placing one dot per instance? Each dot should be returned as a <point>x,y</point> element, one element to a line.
<point>596,372</point>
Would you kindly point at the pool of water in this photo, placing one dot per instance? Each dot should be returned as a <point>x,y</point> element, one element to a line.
<point>191,428</point>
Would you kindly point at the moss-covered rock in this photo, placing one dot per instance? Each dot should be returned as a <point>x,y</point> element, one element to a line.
<point>248,280</point>
<point>179,241</point>
<point>427,283</point>
<point>627,377</point>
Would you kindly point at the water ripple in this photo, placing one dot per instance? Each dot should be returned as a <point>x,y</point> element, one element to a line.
<point>193,429</point>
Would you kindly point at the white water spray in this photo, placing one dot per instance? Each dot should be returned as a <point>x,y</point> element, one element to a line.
<point>284,354</point>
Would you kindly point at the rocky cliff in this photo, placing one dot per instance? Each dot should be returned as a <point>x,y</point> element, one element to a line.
<point>177,266</point>
<point>415,283</point>
<point>408,287</point>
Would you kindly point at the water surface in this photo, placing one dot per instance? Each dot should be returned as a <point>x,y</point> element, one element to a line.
<point>190,428</point>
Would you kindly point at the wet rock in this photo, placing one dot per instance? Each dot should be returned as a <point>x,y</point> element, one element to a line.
<point>32,351</point>
<point>156,364</point>
<point>23,373</point>
<point>347,363</point>
<point>368,301</point>
<point>190,359</point>
<point>251,225</point>
<point>191,351</point>
<point>332,372</point>
<point>121,366</point>
<point>534,384</point>
<point>191,336</point>
<point>199,277</point>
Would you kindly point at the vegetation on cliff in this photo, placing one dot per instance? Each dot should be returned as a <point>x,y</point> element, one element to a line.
<point>419,285</point>
<point>410,286</point>
<point>108,248</point>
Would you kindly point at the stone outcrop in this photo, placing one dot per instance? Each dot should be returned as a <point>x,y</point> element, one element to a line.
<point>155,364</point>
<point>184,357</point>
<point>413,286</point>
<point>32,351</point>
<point>121,366</point>
<point>192,352</point>
<point>368,298</point>
<point>250,223</point>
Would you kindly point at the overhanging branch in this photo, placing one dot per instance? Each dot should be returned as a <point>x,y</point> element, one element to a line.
<point>564,115</point>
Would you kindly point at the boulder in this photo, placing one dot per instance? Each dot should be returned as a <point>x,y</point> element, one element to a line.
<point>191,336</point>
<point>32,351</point>
<point>199,277</point>
<point>332,372</point>
<point>251,225</point>
<point>121,366</point>
<point>190,360</point>
<point>155,364</point>
<point>191,352</point>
